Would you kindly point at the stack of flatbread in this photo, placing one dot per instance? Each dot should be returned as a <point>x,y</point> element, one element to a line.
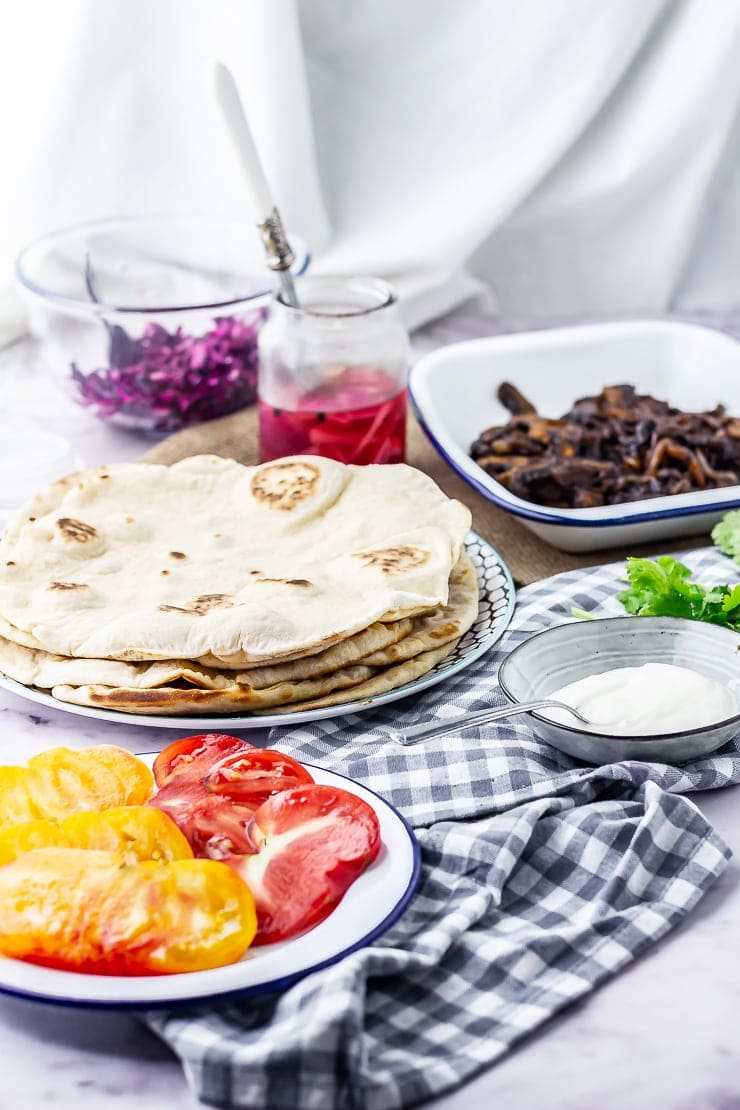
<point>209,587</point>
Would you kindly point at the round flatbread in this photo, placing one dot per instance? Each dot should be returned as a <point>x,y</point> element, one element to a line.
<point>358,683</point>
<point>180,687</point>
<point>143,562</point>
<point>172,687</point>
<point>190,699</point>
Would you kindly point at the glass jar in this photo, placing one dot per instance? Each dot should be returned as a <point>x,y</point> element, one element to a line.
<point>332,373</point>
<point>151,322</point>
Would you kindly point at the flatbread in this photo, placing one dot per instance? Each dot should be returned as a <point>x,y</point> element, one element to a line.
<point>387,679</point>
<point>36,667</point>
<point>176,686</point>
<point>361,682</point>
<point>378,636</point>
<point>173,687</point>
<point>143,562</point>
<point>439,626</point>
<point>187,699</point>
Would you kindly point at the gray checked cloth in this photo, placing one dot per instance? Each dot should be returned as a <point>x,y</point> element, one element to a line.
<point>541,878</point>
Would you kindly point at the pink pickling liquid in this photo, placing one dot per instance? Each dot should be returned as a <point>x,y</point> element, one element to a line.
<point>357,416</point>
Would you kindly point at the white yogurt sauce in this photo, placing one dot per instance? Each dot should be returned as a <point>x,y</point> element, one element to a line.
<point>644,701</point>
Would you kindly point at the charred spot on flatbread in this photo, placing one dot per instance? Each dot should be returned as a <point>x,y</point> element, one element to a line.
<point>445,632</point>
<point>164,696</point>
<point>178,555</point>
<point>302,582</point>
<point>395,560</point>
<point>206,602</point>
<point>68,586</point>
<point>285,485</point>
<point>201,605</point>
<point>76,530</point>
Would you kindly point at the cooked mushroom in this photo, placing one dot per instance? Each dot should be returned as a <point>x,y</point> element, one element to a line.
<point>614,447</point>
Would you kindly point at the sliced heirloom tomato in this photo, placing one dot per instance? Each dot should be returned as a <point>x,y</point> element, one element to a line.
<point>211,786</point>
<point>214,827</point>
<point>133,832</point>
<point>60,781</point>
<point>80,910</point>
<point>313,841</point>
<point>192,756</point>
<point>253,776</point>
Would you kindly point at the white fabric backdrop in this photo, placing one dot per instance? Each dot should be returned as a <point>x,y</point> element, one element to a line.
<point>580,157</point>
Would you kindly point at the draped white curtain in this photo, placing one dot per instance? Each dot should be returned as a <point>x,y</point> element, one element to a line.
<point>574,157</point>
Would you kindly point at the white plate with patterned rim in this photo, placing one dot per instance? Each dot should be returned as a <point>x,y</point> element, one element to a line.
<point>495,609</point>
<point>376,899</point>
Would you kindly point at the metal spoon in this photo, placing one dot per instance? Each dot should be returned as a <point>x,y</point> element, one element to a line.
<point>417,733</point>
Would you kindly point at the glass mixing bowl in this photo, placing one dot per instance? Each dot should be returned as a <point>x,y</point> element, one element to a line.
<point>151,322</point>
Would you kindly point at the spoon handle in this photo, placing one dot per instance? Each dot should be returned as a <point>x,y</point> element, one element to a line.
<point>417,733</point>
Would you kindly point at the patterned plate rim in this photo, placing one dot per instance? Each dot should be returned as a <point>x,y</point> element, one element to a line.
<point>494,617</point>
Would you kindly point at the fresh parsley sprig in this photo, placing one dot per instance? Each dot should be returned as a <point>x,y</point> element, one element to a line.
<point>663,588</point>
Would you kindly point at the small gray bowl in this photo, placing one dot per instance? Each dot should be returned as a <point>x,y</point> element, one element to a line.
<point>560,655</point>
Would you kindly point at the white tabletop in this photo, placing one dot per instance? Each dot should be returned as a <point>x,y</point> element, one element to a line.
<point>662,1034</point>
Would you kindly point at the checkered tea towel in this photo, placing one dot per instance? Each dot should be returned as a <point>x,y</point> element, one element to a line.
<point>541,878</point>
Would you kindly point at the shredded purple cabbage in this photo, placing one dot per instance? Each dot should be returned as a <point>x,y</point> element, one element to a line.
<point>168,380</point>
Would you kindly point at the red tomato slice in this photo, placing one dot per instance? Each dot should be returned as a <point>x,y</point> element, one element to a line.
<point>214,827</point>
<point>313,841</point>
<point>253,776</point>
<point>194,755</point>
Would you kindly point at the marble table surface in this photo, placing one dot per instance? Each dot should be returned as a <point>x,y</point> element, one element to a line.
<point>662,1034</point>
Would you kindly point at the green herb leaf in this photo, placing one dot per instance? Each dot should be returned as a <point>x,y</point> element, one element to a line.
<point>726,534</point>
<point>663,588</point>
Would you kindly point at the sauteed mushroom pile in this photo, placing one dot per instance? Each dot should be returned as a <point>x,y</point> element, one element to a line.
<point>618,446</point>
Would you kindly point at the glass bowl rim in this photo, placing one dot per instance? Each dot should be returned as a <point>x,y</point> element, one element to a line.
<point>76,304</point>
<point>717,630</point>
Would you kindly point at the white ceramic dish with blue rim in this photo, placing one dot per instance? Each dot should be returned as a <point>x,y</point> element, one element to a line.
<point>453,391</point>
<point>371,905</point>
<point>495,610</point>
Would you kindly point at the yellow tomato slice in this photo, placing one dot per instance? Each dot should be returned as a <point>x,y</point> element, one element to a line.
<point>16,840</point>
<point>134,832</point>
<point>137,781</point>
<point>61,781</point>
<point>16,803</point>
<point>80,910</point>
<point>65,781</point>
<point>201,918</point>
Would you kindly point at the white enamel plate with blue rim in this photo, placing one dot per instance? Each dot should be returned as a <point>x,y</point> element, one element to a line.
<point>371,905</point>
<point>495,609</point>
